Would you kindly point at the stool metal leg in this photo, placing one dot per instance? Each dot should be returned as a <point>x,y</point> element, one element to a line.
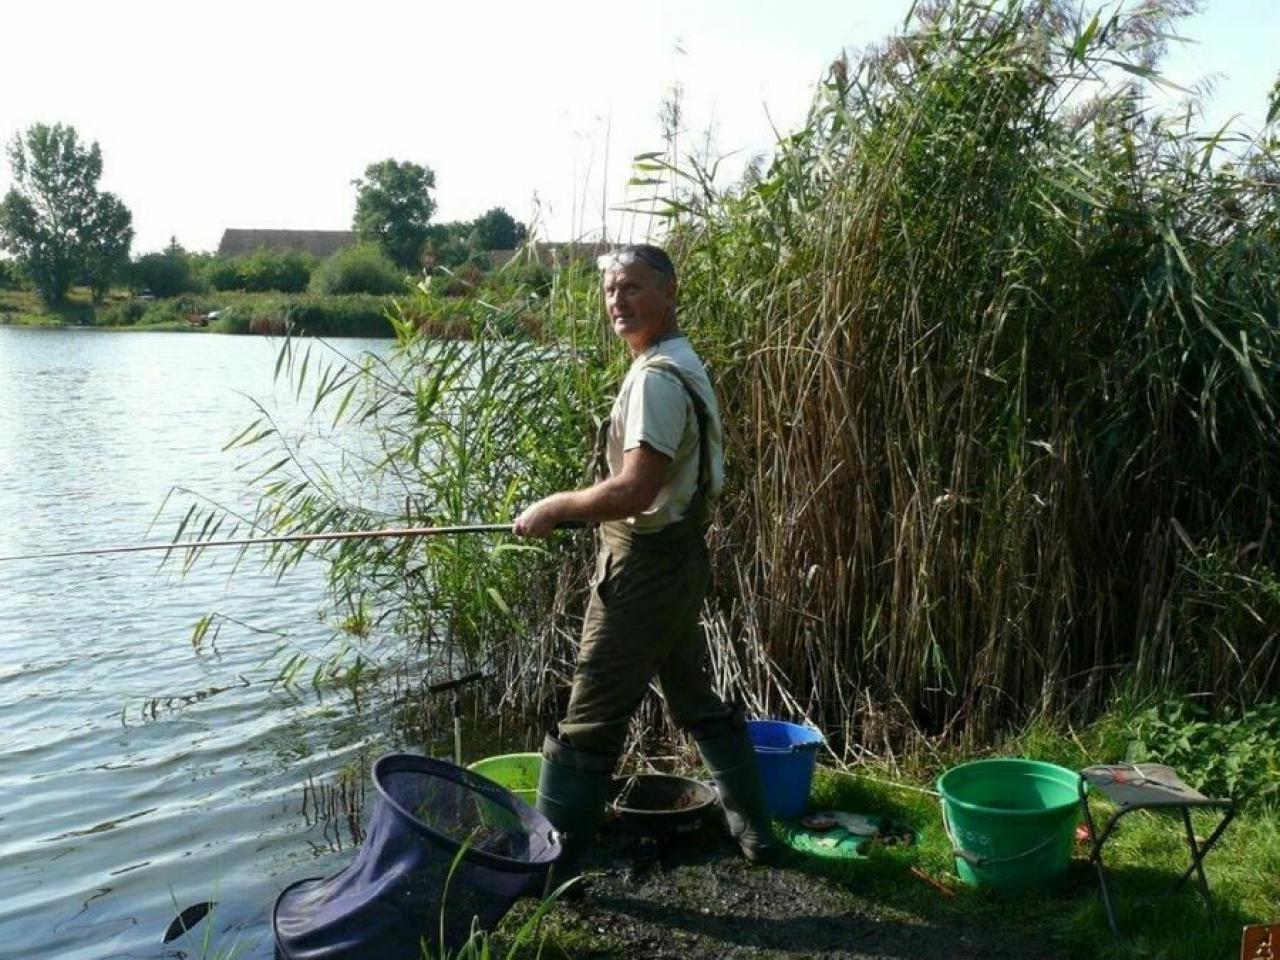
<point>1106,896</point>
<point>1096,841</point>
<point>1198,852</point>
<point>1196,855</point>
<point>1204,849</point>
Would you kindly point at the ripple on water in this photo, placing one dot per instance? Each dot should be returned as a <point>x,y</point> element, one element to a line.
<point>109,821</point>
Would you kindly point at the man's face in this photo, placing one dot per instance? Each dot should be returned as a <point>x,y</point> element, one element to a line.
<point>641,303</point>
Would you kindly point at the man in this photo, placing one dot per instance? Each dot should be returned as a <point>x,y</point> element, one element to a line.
<point>662,448</point>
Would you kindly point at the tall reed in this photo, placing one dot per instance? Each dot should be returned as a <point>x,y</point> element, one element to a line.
<point>997,345</point>
<point>439,431</point>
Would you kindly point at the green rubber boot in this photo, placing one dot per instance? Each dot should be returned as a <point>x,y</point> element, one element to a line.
<point>732,761</point>
<point>572,789</point>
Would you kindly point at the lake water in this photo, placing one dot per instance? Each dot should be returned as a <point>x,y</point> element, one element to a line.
<point>110,816</point>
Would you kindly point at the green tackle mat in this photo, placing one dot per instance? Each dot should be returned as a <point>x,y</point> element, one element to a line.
<point>841,835</point>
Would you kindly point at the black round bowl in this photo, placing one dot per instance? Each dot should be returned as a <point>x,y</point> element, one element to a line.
<point>662,804</point>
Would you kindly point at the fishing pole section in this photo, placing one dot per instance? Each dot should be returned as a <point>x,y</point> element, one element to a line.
<point>389,533</point>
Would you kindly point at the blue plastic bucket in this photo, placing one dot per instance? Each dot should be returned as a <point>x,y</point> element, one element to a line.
<point>786,754</point>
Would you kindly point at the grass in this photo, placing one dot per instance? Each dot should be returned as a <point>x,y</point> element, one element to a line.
<point>560,938</point>
<point>1144,857</point>
<point>24,308</point>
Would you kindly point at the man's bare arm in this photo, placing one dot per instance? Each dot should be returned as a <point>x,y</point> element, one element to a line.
<point>626,494</point>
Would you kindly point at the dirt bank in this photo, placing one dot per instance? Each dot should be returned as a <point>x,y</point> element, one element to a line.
<point>695,899</point>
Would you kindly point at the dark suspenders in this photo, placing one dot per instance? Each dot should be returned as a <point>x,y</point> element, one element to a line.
<point>698,504</point>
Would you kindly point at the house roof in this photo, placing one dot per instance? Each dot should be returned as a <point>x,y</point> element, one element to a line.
<point>318,243</point>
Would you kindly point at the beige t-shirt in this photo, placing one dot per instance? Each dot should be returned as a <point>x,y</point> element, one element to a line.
<point>653,407</point>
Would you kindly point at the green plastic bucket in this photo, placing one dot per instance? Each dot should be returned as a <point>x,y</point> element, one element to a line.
<point>518,772</point>
<point>1012,823</point>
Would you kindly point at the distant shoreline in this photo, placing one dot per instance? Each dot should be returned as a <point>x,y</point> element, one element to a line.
<point>40,324</point>
<point>233,312</point>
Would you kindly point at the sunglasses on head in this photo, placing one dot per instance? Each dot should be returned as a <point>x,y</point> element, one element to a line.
<point>629,255</point>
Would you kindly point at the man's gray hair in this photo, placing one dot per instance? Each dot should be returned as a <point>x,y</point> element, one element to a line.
<point>646,253</point>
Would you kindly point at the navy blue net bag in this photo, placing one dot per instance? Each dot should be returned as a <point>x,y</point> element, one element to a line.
<point>390,902</point>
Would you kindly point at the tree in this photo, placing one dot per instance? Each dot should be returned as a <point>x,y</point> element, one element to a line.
<point>106,244</point>
<point>11,277</point>
<point>394,207</point>
<point>498,230</point>
<point>54,219</point>
<point>165,274</point>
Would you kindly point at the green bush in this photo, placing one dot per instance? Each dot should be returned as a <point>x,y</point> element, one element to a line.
<point>261,271</point>
<point>354,315</point>
<point>284,272</point>
<point>11,275</point>
<point>129,313</point>
<point>163,311</point>
<point>233,320</point>
<point>359,269</point>
<point>498,230</point>
<point>1236,756</point>
<point>124,313</point>
<point>165,274</point>
<point>220,273</point>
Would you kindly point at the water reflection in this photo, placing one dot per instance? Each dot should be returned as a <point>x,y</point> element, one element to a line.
<point>141,773</point>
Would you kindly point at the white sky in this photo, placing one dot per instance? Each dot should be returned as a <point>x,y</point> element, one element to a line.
<point>259,114</point>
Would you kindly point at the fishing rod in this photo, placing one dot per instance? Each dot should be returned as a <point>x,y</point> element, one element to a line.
<point>390,533</point>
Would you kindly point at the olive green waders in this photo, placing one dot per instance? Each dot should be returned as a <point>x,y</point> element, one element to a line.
<point>642,622</point>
